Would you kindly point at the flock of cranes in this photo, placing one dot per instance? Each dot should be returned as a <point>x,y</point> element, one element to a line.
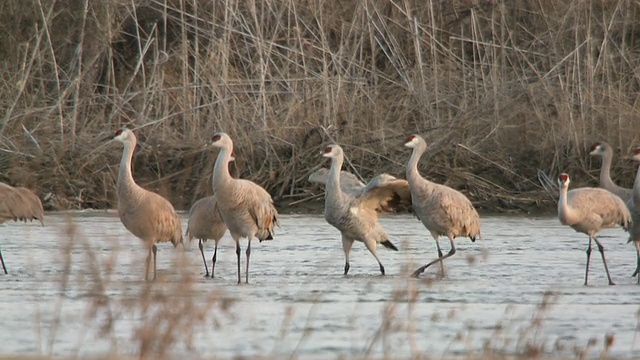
<point>247,210</point>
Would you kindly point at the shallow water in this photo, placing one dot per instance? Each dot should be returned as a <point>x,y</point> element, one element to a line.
<point>298,301</point>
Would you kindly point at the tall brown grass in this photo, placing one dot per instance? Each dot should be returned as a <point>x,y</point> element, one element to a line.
<point>498,88</point>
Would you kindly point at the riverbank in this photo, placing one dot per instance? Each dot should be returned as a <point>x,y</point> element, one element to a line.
<point>498,90</point>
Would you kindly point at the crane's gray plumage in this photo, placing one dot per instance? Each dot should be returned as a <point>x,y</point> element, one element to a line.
<point>634,207</point>
<point>145,214</point>
<point>205,222</point>
<point>589,210</point>
<point>441,209</point>
<point>605,151</point>
<point>246,208</point>
<point>355,212</point>
<point>18,204</point>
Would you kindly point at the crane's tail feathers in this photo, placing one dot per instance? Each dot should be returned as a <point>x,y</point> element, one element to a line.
<point>269,237</point>
<point>177,240</point>
<point>548,185</point>
<point>389,245</point>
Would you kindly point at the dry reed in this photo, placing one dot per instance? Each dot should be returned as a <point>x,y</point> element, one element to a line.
<point>518,85</point>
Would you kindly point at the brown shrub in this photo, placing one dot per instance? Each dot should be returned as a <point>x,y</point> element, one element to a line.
<point>499,89</point>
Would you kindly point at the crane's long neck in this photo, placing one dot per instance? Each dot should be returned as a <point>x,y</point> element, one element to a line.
<point>221,175</point>
<point>605,170</point>
<point>566,213</point>
<point>126,185</point>
<point>333,182</point>
<point>413,176</point>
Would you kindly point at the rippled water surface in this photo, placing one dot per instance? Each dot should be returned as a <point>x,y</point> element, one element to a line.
<point>298,301</point>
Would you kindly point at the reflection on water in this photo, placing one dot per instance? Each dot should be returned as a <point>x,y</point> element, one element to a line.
<point>298,301</point>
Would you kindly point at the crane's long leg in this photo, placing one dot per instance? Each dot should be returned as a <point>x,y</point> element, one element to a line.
<point>155,250</point>
<point>371,246</point>
<point>203,259</point>
<point>248,252</point>
<point>586,273</point>
<point>601,249</point>
<point>346,246</point>
<point>146,265</point>
<point>437,238</point>
<point>2,261</point>
<point>238,256</point>
<point>637,245</point>
<point>215,256</point>
<point>441,258</point>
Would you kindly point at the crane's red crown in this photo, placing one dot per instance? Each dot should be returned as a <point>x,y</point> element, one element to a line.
<point>594,146</point>
<point>563,177</point>
<point>118,132</point>
<point>411,137</point>
<point>216,137</point>
<point>328,149</point>
<point>637,150</point>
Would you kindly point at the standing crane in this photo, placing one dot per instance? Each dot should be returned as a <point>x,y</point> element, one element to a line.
<point>205,222</point>
<point>354,212</point>
<point>603,150</point>
<point>634,207</point>
<point>589,210</point>
<point>145,214</point>
<point>442,210</point>
<point>246,208</point>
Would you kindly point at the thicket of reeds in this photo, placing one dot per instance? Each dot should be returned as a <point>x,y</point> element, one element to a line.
<point>498,89</point>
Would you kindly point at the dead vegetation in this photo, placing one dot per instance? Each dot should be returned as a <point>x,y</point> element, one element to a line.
<point>498,89</point>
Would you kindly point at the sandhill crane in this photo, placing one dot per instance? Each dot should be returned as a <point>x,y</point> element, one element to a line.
<point>205,222</point>
<point>634,207</point>
<point>441,209</point>
<point>246,208</point>
<point>356,215</point>
<point>18,204</point>
<point>605,151</point>
<point>145,214</point>
<point>589,210</point>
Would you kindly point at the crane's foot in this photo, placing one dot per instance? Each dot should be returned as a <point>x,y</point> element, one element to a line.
<point>611,283</point>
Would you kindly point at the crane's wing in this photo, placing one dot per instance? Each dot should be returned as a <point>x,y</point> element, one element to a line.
<point>384,194</point>
<point>601,203</point>
<point>349,183</point>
